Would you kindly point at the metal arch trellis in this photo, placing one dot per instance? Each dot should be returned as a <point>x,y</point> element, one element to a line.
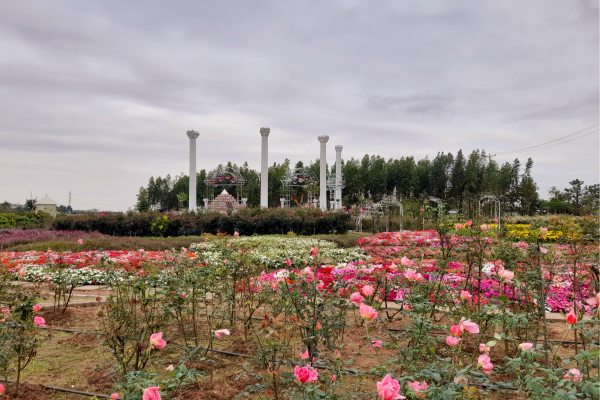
<point>332,185</point>
<point>383,207</point>
<point>224,177</point>
<point>495,211</point>
<point>301,177</point>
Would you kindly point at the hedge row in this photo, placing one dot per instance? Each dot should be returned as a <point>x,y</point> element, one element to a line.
<point>25,220</point>
<point>246,222</point>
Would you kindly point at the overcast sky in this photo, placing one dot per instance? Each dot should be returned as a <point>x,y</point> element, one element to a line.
<point>96,96</point>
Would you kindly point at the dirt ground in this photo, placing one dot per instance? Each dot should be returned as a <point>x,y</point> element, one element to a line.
<point>79,361</point>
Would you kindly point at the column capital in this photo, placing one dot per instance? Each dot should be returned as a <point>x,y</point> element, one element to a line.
<point>192,134</point>
<point>323,138</point>
<point>265,131</point>
<point>339,147</point>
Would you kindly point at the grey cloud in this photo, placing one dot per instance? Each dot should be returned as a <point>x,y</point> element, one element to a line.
<point>413,104</point>
<point>119,84</point>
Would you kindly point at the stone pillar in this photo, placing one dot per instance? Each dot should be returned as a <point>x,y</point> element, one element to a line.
<point>338,176</point>
<point>264,168</point>
<point>193,135</point>
<point>323,175</point>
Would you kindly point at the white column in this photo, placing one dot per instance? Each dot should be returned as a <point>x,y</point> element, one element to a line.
<point>193,135</point>
<point>323,176</point>
<point>338,176</point>
<point>264,168</point>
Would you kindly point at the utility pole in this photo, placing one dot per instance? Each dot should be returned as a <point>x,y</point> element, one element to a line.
<point>69,198</point>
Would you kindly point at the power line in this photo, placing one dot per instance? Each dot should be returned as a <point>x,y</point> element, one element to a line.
<point>548,144</point>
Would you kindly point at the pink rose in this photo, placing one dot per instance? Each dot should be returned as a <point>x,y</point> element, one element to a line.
<point>304,355</point>
<point>485,227</point>
<point>183,295</point>
<point>237,234</point>
<point>80,241</point>
<point>458,227</point>
<point>151,393</point>
<point>455,330</point>
<point>170,368</point>
<point>483,348</point>
<point>468,325</point>
<point>376,343</point>
<point>313,252</point>
<point>368,312</point>
<point>452,341</point>
<point>526,346</point>
<point>356,298</point>
<point>469,223</point>
<point>388,389</point>
<point>156,341</point>
<point>39,321</point>
<point>222,332</point>
<point>543,232</point>
<point>114,396</point>
<point>465,294</point>
<point>37,308</point>
<point>573,374</point>
<point>367,290</point>
<point>405,261</point>
<point>418,386</point>
<point>306,374</point>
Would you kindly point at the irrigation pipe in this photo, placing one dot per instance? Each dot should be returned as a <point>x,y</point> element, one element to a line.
<point>59,389</point>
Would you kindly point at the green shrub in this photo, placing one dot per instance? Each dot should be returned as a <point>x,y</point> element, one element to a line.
<point>25,220</point>
<point>249,221</point>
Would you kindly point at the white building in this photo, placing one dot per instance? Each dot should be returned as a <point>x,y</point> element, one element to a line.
<point>46,204</point>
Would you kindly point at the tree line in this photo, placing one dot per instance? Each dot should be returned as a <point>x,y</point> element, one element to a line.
<point>458,180</point>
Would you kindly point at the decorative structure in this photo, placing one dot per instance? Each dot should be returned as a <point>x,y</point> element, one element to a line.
<point>338,177</point>
<point>384,208</point>
<point>225,204</point>
<point>47,205</point>
<point>323,139</point>
<point>226,178</point>
<point>264,168</point>
<point>335,182</point>
<point>193,135</point>
<point>299,178</point>
<point>494,208</point>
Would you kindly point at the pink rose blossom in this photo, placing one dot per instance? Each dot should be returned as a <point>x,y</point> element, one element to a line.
<point>37,308</point>
<point>418,386</point>
<point>388,389</point>
<point>367,290</point>
<point>368,312</point>
<point>573,374</point>
<point>455,330</point>
<point>114,396</point>
<point>39,321</point>
<point>313,252</point>
<point>356,298</point>
<point>80,241</point>
<point>170,368</point>
<point>452,341</point>
<point>483,348</point>
<point>376,343</point>
<point>156,341</point>
<point>222,332</point>
<point>304,355</point>
<point>526,346</point>
<point>306,374</point>
<point>468,325</point>
<point>458,227</point>
<point>465,294</point>
<point>151,393</point>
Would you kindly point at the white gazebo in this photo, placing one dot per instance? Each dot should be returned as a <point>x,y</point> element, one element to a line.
<point>47,205</point>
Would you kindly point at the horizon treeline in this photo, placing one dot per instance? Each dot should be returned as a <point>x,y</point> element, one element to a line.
<point>459,180</point>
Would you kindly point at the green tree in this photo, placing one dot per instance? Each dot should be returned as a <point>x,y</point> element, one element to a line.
<point>143,201</point>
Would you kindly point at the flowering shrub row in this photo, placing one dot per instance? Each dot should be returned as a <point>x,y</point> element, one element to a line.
<point>246,222</point>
